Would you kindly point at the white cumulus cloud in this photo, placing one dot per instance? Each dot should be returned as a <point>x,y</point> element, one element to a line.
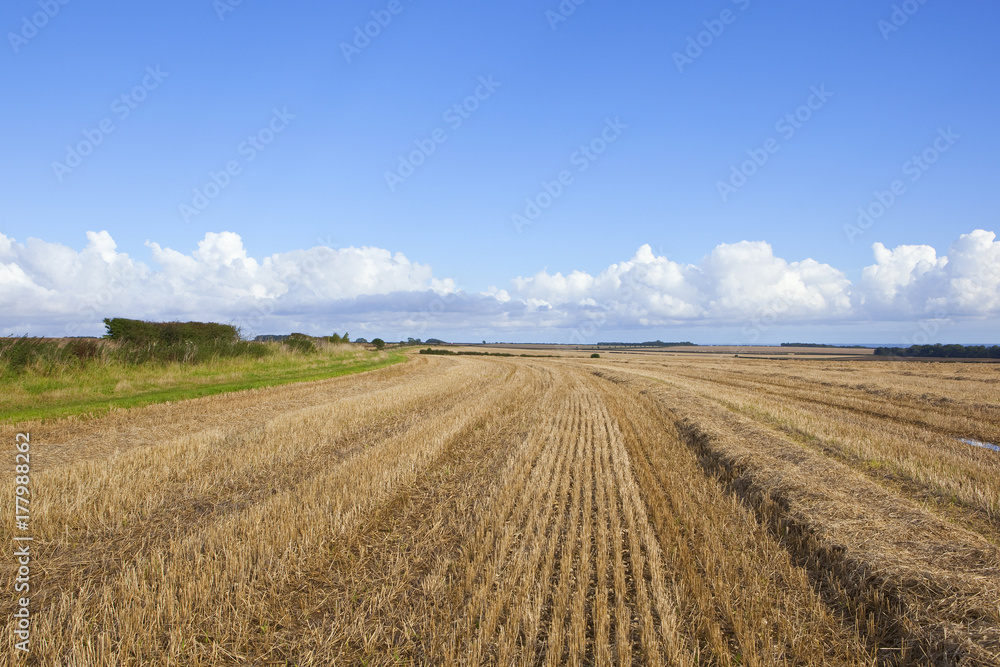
<point>52,289</point>
<point>912,281</point>
<point>46,284</point>
<point>734,281</point>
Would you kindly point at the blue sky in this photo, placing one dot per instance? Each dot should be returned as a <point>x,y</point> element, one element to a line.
<point>333,113</point>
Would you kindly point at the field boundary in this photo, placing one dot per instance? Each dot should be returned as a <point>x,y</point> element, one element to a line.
<point>97,407</point>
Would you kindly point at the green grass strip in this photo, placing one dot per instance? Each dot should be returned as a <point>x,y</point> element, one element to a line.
<point>93,406</point>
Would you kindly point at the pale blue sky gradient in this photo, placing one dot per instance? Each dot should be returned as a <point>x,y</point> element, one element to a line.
<point>322,179</point>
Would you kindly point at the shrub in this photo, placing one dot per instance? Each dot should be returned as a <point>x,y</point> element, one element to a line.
<point>45,357</point>
<point>378,343</point>
<point>139,331</point>
<point>19,353</point>
<point>84,348</point>
<point>132,331</point>
<point>301,343</point>
<point>595,356</point>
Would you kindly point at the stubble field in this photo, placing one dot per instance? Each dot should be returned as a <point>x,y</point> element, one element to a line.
<point>468,510</point>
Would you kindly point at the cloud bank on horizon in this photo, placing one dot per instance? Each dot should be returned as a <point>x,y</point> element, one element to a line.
<point>53,290</point>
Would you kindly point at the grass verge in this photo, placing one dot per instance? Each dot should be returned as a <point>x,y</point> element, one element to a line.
<point>96,389</point>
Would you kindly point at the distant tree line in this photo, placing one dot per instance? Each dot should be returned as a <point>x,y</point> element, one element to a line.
<point>431,350</point>
<point>474,353</point>
<point>270,338</point>
<point>649,343</point>
<point>302,341</point>
<point>823,345</point>
<point>335,338</point>
<point>950,351</point>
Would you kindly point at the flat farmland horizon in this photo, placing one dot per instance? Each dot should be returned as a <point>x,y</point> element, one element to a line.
<point>654,509</point>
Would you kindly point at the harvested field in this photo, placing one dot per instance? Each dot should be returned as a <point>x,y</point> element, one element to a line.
<point>655,510</point>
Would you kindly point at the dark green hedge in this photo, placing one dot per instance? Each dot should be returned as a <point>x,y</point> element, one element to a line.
<point>139,331</point>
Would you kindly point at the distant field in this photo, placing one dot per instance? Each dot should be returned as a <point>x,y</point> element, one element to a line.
<point>765,350</point>
<point>655,509</point>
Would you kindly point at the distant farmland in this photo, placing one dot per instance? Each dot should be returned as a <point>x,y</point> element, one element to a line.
<point>650,508</point>
<point>766,350</point>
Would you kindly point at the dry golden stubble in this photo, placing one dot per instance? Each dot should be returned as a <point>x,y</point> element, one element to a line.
<point>71,440</point>
<point>514,511</point>
<point>740,594</point>
<point>911,578</point>
<point>152,573</point>
<point>926,463</point>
